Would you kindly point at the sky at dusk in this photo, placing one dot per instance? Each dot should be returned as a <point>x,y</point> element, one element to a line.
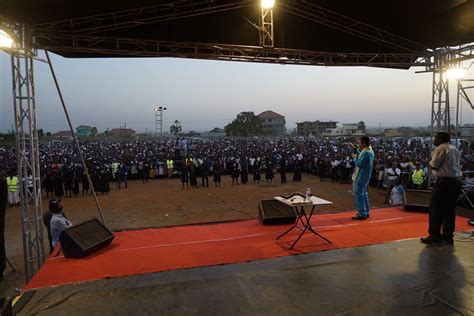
<point>106,93</point>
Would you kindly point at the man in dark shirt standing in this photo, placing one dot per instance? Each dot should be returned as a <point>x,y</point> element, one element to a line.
<point>446,165</point>
<point>205,166</point>
<point>3,207</point>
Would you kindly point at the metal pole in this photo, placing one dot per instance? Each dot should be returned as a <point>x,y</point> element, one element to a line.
<point>434,90</point>
<point>156,123</point>
<point>440,97</point>
<point>458,88</point>
<point>433,95</point>
<point>74,137</point>
<point>161,123</point>
<point>447,108</point>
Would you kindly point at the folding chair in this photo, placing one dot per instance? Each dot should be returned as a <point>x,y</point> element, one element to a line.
<point>466,190</point>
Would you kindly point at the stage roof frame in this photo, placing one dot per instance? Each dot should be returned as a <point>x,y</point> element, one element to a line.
<point>362,32</point>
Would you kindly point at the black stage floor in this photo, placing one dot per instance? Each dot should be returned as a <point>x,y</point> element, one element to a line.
<point>399,278</point>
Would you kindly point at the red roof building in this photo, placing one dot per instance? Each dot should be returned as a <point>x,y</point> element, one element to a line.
<point>273,123</point>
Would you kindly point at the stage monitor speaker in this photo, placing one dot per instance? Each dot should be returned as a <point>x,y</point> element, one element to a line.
<point>80,240</point>
<point>417,200</point>
<point>273,212</point>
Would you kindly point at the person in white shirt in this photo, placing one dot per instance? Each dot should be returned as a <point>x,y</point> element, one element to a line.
<point>446,165</point>
<point>397,196</point>
<point>393,174</point>
<point>58,221</point>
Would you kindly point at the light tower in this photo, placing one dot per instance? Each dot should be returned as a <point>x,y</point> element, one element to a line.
<point>159,120</point>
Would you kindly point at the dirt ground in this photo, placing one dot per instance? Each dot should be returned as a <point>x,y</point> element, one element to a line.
<point>162,202</point>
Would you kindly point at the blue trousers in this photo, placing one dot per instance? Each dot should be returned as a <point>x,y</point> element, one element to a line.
<point>361,197</point>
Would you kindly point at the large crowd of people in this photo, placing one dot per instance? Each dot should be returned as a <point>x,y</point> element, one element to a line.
<point>383,163</point>
<point>400,161</point>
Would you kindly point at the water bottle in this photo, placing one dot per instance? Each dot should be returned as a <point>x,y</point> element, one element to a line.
<point>308,194</point>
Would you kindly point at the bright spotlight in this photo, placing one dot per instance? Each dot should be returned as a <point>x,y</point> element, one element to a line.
<point>267,4</point>
<point>6,41</point>
<point>456,73</point>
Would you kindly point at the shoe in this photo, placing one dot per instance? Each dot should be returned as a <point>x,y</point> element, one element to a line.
<point>359,217</point>
<point>448,239</point>
<point>431,240</point>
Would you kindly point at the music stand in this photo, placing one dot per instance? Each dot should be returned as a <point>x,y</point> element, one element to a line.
<point>298,202</point>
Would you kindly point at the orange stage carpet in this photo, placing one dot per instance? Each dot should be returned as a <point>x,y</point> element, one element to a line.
<point>154,250</point>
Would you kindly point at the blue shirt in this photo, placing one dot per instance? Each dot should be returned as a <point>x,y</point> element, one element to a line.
<point>364,163</point>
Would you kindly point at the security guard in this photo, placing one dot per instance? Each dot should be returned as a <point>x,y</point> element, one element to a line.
<point>13,186</point>
<point>417,177</point>
<point>115,167</point>
<point>169,165</point>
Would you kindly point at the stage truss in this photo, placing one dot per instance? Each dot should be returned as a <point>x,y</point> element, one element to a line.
<point>87,35</point>
<point>445,58</point>
<point>27,150</point>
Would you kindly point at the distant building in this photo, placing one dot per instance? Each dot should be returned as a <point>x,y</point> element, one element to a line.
<point>273,123</point>
<point>400,132</point>
<point>85,131</point>
<point>191,134</point>
<point>63,135</point>
<point>215,133</point>
<point>121,132</point>
<point>467,131</point>
<point>315,128</point>
<point>348,129</point>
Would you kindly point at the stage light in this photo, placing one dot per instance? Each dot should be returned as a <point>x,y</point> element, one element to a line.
<point>155,109</point>
<point>456,73</point>
<point>267,4</point>
<point>6,41</point>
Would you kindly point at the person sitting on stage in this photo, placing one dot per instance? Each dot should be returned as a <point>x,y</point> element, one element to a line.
<point>58,221</point>
<point>397,196</point>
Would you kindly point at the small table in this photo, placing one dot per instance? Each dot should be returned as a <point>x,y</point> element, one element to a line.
<point>299,202</point>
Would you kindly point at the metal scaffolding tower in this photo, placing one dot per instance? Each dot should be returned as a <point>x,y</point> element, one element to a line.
<point>443,59</point>
<point>440,112</point>
<point>27,150</point>
<point>266,28</point>
<point>463,85</point>
<point>159,120</point>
